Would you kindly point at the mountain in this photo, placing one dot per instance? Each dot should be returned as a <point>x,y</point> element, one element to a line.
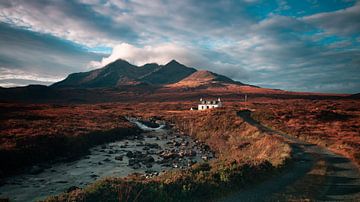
<point>172,72</point>
<point>114,74</point>
<point>121,73</point>
<point>203,77</point>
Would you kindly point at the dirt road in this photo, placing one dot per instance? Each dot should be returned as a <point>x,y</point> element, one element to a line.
<point>316,174</point>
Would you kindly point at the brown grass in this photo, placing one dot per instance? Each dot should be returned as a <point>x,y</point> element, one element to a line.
<point>334,124</point>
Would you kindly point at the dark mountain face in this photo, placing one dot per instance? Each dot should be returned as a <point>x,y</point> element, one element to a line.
<point>172,72</point>
<point>121,73</point>
<point>114,74</point>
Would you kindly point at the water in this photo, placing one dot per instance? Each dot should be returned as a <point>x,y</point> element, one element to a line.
<point>101,162</point>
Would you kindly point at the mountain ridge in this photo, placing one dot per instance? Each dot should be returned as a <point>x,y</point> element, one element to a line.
<point>122,73</point>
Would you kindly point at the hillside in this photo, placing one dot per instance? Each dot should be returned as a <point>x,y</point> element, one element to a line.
<point>121,73</point>
<point>203,77</point>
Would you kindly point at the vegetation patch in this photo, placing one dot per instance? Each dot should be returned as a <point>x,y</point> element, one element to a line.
<point>244,155</point>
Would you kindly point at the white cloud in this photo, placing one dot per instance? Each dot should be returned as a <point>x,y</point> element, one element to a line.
<point>13,74</point>
<point>160,54</point>
<point>343,22</point>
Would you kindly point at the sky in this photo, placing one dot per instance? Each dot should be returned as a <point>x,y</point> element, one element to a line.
<point>307,45</point>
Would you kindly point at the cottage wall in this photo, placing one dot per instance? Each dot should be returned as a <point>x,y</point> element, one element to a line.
<point>208,106</point>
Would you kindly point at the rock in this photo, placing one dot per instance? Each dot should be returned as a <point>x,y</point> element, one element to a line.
<point>72,188</point>
<point>148,165</point>
<point>94,176</point>
<point>137,154</point>
<point>35,170</point>
<point>146,148</point>
<point>169,155</point>
<point>107,160</point>
<point>103,146</point>
<point>62,181</point>
<point>152,145</point>
<point>111,152</point>
<point>129,154</point>
<point>119,158</point>
<point>148,159</point>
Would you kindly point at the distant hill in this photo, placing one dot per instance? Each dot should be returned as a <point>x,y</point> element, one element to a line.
<point>356,96</point>
<point>203,77</point>
<point>121,73</point>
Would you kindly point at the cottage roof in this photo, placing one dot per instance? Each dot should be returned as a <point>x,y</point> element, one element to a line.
<point>210,102</point>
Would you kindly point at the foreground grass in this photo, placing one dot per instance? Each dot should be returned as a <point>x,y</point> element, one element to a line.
<point>243,155</point>
<point>334,124</point>
<point>31,134</point>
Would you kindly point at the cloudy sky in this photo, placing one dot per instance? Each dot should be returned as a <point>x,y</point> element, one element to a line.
<point>307,45</point>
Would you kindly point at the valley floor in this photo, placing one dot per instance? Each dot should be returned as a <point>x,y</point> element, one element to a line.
<point>287,149</point>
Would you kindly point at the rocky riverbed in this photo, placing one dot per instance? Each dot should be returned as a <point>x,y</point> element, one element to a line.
<point>151,153</point>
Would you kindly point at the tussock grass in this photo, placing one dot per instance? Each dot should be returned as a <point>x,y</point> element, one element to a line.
<point>244,155</point>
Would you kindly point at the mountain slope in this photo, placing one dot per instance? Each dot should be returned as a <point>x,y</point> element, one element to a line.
<point>114,74</point>
<point>203,77</point>
<point>121,73</point>
<point>172,72</point>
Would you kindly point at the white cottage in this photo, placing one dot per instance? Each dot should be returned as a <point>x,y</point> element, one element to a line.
<point>209,104</point>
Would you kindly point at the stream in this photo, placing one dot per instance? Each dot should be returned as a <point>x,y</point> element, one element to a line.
<point>150,153</point>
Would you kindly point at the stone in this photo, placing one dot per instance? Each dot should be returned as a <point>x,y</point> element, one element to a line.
<point>169,155</point>
<point>153,145</point>
<point>62,181</point>
<point>129,154</point>
<point>148,159</point>
<point>119,158</point>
